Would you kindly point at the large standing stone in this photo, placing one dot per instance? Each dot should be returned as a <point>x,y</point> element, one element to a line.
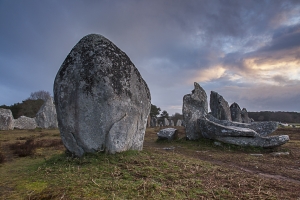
<point>46,116</point>
<point>24,122</point>
<point>245,117</point>
<point>194,107</point>
<point>102,101</point>
<point>236,113</point>
<point>219,107</point>
<point>6,119</point>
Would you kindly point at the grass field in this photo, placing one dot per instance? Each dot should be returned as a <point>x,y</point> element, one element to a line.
<point>163,170</point>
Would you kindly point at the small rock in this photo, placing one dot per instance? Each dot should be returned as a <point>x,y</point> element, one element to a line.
<point>217,143</point>
<point>258,155</point>
<point>167,134</point>
<point>280,153</point>
<point>168,148</point>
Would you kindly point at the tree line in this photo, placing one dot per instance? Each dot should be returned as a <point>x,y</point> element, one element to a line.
<point>30,106</point>
<point>280,116</point>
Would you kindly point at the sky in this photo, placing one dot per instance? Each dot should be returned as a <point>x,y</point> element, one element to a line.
<point>247,51</point>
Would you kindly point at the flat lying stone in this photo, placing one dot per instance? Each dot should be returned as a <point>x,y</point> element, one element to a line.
<point>280,153</point>
<point>238,136</point>
<point>262,128</point>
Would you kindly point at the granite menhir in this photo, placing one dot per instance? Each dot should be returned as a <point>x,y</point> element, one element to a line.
<point>102,101</point>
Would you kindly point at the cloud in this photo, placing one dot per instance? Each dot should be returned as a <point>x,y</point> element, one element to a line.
<point>234,44</point>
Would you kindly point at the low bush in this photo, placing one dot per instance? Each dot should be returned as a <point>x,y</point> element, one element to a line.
<point>23,149</point>
<point>2,158</point>
<point>28,148</point>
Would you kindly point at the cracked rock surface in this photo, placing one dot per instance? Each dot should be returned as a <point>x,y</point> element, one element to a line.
<point>102,101</point>
<point>238,135</point>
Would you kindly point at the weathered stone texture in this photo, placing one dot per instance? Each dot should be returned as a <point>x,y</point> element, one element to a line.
<point>102,101</point>
<point>194,107</point>
<point>235,110</point>
<point>219,107</point>
<point>262,128</point>
<point>46,116</point>
<point>239,136</point>
<point>6,119</point>
<point>167,134</point>
<point>24,122</point>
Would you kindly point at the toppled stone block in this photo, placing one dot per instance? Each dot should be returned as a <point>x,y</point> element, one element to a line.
<point>238,136</point>
<point>167,134</point>
<point>262,128</point>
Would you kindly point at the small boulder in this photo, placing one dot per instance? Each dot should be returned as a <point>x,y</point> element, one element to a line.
<point>167,134</point>
<point>6,119</point>
<point>219,107</point>
<point>24,122</point>
<point>262,128</point>
<point>194,107</point>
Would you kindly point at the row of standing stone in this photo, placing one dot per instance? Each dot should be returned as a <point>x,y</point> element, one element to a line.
<point>45,118</point>
<point>220,109</point>
<point>155,122</point>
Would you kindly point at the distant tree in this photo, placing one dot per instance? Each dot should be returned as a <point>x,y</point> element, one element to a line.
<point>176,117</point>
<point>44,95</point>
<point>154,110</point>
<point>164,114</point>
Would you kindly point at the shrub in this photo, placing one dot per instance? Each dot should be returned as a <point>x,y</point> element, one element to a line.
<point>2,158</point>
<point>23,149</point>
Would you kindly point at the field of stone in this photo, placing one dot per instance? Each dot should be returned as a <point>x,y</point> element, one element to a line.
<point>34,165</point>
